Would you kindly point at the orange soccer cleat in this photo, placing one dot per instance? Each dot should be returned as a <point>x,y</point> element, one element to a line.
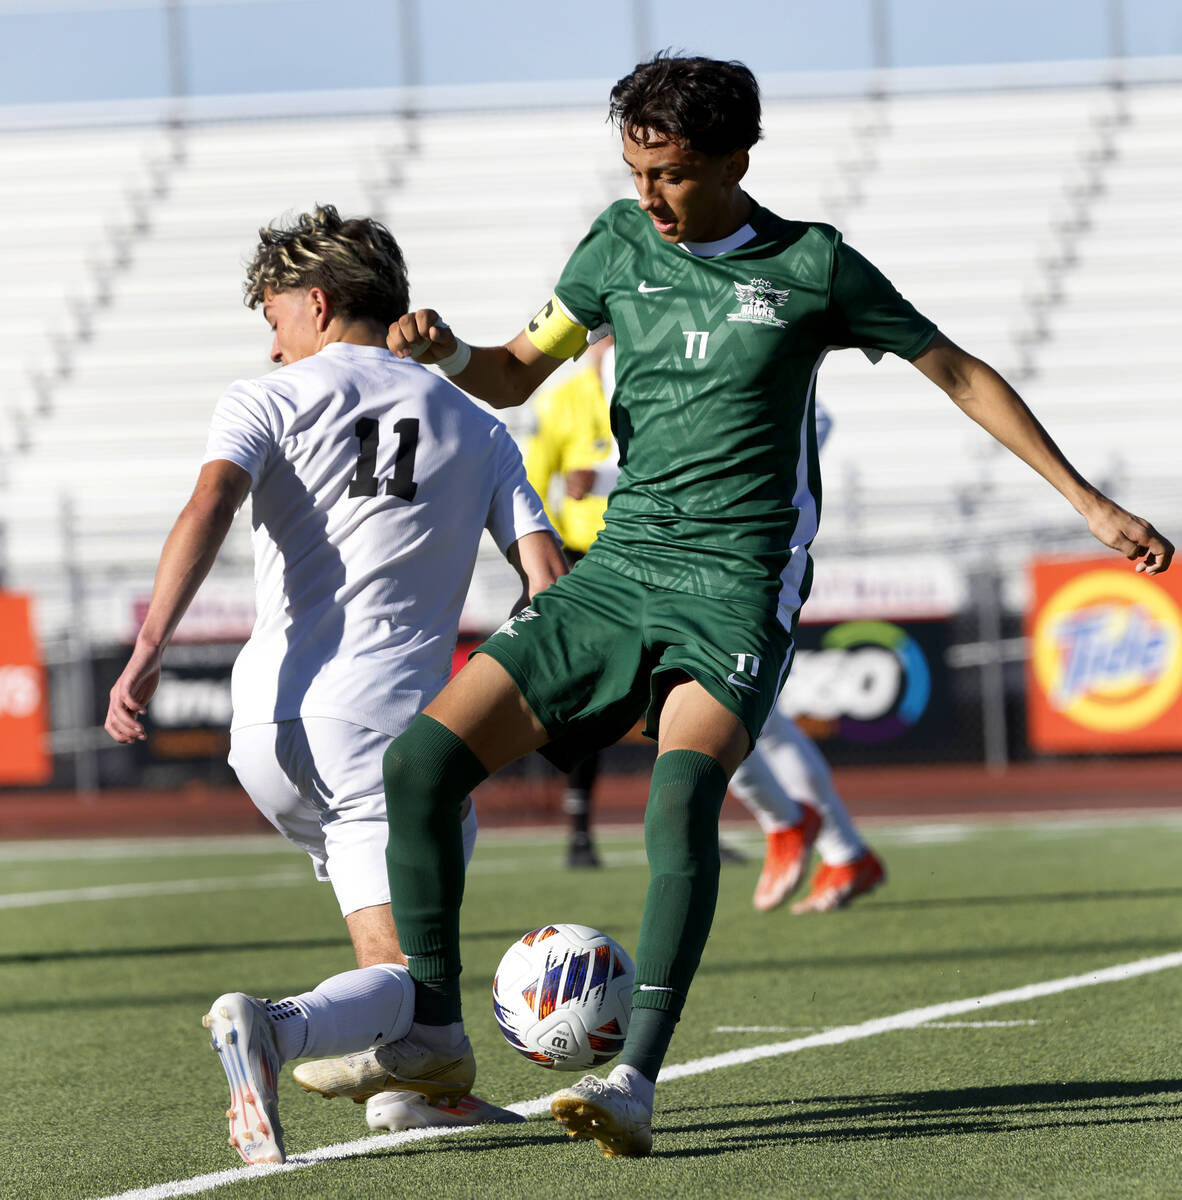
<point>787,856</point>
<point>834,887</point>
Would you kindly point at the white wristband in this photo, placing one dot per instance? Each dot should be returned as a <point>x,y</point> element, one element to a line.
<point>457,360</point>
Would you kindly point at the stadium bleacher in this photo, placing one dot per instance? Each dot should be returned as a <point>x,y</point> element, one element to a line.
<point>1034,226</point>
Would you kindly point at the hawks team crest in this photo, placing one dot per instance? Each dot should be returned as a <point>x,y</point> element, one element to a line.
<point>526,614</point>
<point>759,301</point>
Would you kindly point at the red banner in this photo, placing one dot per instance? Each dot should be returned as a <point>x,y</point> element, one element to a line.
<point>1104,672</point>
<point>23,709</point>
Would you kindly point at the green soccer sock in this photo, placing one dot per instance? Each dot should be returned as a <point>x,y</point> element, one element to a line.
<point>428,771</point>
<point>681,837</point>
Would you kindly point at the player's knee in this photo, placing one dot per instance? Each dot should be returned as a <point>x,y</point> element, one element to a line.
<point>426,764</point>
<point>395,763</point>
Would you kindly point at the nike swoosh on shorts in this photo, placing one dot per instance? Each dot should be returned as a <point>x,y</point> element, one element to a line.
<point>731,678</point>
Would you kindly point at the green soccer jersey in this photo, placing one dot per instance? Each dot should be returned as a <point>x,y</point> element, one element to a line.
<point>716,365</point>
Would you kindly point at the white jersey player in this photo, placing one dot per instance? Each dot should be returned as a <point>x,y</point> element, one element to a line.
<point>372,480</point>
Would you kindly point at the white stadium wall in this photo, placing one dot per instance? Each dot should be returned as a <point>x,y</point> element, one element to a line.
<point>1036,224</point>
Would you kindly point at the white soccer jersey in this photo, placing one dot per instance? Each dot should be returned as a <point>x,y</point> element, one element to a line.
<point>371,481</point>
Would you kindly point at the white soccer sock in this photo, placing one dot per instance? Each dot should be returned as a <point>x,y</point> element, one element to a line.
<point>772,807</point>
<point>351,1011</point>
<point>634,1083</point>
<point>441,1038</point>
<point>290,1024</point>
<point>838,842</point>
<point>358,1009</point>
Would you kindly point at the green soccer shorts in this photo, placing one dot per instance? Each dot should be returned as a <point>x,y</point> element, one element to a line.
<point>596,650</point>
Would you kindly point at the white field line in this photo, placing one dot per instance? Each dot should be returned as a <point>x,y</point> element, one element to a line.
<point>911,1019</point>
<point>494,861</point>
<point>929,1025</point>
<point>916,1017</point>
<point>979,1024</point>
<point>171,887</point>
<point>888,831</point>
<point>765,1029</point>
<point>511,866</point>
<point>86,849</point>
<point>292,877</point>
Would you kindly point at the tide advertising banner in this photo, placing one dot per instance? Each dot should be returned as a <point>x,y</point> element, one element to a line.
<point>1104,671</point>
<point>24,723</point>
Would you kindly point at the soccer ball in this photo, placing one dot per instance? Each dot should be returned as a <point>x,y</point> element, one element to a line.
<point>562,996</point>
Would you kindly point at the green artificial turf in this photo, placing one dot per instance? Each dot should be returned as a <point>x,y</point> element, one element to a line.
<point>110,1084</point>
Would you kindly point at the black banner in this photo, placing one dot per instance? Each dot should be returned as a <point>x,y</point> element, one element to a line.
<point>869,690</point>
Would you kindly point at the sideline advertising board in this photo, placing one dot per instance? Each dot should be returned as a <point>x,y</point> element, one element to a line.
<point>872,683</point>
<point>869,679</point>
<point>1104,672</point>
<point>24,718</point>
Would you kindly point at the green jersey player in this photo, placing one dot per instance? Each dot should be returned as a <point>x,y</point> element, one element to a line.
<point>718,348</point>
<point>685,607</point>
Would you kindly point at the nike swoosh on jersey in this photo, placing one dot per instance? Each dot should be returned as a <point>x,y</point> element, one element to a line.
<point>732,678</point>
<point>643,287</point>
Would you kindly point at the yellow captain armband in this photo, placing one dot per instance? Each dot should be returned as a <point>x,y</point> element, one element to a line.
<point>556,333</point>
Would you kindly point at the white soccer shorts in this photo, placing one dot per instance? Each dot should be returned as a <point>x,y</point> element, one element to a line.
<point>319,782</point>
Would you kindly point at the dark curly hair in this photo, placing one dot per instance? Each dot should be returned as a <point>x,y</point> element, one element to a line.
<point>357,262</point>
<point>705,104</point>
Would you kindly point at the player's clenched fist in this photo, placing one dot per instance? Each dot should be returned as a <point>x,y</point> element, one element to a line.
<point>422,335</point>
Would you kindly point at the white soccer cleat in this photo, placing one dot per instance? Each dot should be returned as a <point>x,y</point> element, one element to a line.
<point>396,1111</point>
<point>245,1043</point>
<point>405,1065</point>
<point>594,1108</point>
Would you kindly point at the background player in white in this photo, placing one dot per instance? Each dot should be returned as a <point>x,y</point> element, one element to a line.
<point>787,786</point>
<point>372,480</point>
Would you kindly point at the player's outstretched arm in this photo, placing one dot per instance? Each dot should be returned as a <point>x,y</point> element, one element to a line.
<point>189,552</point>
<point>980,392</point>
<point>501,376</point>
<point>538,561</point>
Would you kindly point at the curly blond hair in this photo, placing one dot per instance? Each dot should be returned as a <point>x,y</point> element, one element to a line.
<point>356,262</point>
